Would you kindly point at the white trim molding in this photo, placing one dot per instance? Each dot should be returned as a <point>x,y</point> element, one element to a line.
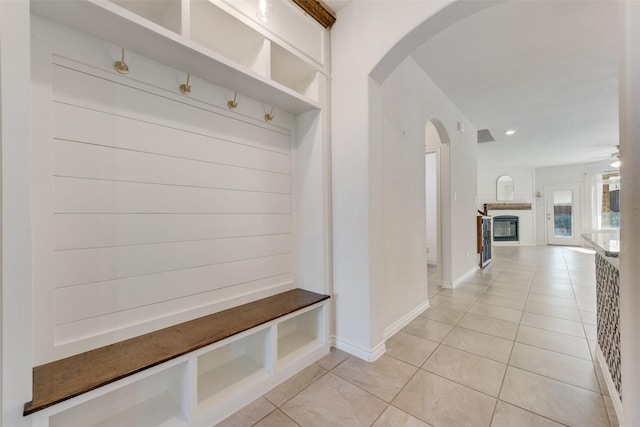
<point>459,280</point>
<point>611,388</point>
<point>372,354</point>
<point>369,355</point>
<point>404,320</point>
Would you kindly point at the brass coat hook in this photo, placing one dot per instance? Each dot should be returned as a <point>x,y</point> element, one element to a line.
<point>121,66</point>
<point>269,116</point>
<point>233,104</point>
<point>185,88</point>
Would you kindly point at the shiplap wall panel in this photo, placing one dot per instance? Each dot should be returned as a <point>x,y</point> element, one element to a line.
<point>82,125</point>
<point>90,196</point>
<point>106,163</point>
<point>82,266</point>
<point>78,231</point>
<point>84,90</point>
<point>163,208</point>
<point>75,303</point>
<point>198,304</point>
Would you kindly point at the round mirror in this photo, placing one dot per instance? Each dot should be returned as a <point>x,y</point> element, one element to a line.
<point>504,189</point>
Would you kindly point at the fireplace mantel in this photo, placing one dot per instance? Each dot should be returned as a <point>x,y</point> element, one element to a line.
<point>508,206</point>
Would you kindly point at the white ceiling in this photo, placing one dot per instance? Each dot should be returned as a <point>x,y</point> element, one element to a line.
<point>546,68</point>
<point>335,5</point>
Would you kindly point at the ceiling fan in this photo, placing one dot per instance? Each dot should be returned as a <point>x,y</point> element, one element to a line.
<point>614,157</point>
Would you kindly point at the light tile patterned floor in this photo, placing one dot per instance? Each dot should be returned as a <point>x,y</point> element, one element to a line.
<point>513,346</point>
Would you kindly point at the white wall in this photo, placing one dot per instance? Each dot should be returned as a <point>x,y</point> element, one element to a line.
<point>409,99</point>
<point>15,137</point>
<point>523,182</point>
<point>383,33</point>
<point>630,205</point>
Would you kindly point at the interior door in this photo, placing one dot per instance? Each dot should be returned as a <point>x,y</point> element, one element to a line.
<point>563,215</point>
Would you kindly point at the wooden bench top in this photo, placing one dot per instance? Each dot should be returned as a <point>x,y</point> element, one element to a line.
<point>66,378</point>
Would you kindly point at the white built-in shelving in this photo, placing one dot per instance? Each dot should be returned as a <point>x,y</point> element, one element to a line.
<point>299,334</point>
<point>206,38</point>
<point>215,29</point>
<point>221,44</point>
<point>225,371</point>
<point>166,13</point>
<point>154,400</point>
<point>205,386</point>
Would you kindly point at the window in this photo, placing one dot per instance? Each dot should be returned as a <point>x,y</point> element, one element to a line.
<point>607,201</point>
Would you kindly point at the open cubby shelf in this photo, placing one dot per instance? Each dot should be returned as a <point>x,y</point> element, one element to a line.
<point>152,401</point>
<point>226,370</point>
<point>298,334</point>
<point>202,384</point>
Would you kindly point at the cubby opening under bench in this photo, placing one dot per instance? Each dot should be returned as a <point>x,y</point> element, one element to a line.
<point>194,373</point>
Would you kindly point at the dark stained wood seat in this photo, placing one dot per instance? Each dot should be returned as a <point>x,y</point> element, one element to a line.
<point>66,378</point>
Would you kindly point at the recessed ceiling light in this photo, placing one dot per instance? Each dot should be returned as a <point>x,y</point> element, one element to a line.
<point>510,132</point>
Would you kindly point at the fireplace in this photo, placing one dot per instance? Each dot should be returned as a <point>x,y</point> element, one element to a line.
<point>505,228</point>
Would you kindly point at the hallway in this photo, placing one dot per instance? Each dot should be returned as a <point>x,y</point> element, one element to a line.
<point>514,345</point>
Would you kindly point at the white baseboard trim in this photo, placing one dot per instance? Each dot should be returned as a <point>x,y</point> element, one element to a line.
<point>465,276</point>
<point>370,355</point>
<point>404,320</point>
<point>611,388</point>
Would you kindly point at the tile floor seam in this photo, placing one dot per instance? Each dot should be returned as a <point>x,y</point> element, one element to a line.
<point>378,397</point>
<point>554,379</point>
<point>534,413</point>
<point>381,414</point>
<point>275,408</point>
<point>461,384</point>
<point>548,315</point>
<point>508,363</point>
<point>458,349</point>
<point>484,333</point>
<point>303,389</point>
<point>551,330</point>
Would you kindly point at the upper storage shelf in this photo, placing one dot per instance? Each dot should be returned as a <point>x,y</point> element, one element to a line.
<point>158,31</point>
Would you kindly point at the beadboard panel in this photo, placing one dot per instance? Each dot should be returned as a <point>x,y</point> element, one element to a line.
<point>123,99</point>
<point>82,266</point>
<point>83,125</point>
<point>75,303</point>
<point>101,330</point>
<point>84,231</point>
<point>161,208</point>
<point>78,195</point>
<point>81,160</point>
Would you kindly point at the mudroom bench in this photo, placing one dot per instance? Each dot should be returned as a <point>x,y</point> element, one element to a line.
<point>193,373</point>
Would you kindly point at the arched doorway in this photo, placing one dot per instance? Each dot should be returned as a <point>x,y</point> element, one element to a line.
<point>435,137</point>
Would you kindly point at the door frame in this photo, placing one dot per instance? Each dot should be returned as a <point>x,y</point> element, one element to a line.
<point>576,239</point>
<point>436,152</point>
